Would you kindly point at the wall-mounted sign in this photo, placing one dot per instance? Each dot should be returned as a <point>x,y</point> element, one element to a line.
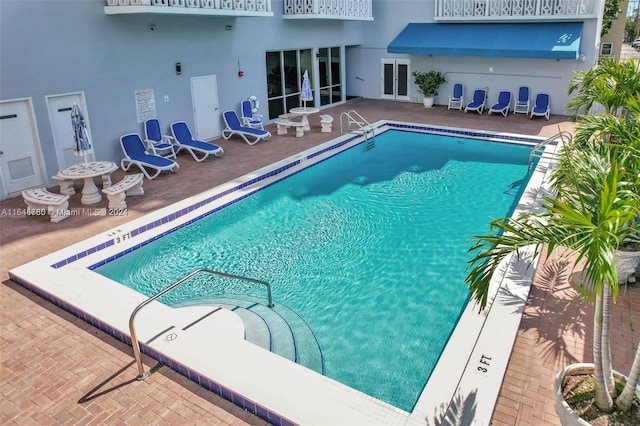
<point>145,104</point>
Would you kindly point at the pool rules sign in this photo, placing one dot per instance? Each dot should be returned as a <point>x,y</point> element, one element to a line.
<point>145,104</point>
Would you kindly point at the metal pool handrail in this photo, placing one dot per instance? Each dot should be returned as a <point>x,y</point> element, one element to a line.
<point>364,127</point>
<point>134,339</point>
<point>565,136</point>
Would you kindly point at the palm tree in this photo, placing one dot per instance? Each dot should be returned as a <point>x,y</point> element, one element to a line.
<point>621,133</point>
<point>608,83</point>
<point>593,215</point>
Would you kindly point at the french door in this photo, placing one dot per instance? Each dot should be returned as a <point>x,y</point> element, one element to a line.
<point>395,79</point>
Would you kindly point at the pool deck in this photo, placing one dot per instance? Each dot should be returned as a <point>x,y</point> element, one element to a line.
<point>57,369</point>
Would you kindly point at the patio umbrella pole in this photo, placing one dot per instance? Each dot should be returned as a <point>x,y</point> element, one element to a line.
<point>81,140</point>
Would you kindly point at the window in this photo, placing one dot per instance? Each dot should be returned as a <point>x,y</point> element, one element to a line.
<point>606,49</point>
<point>284,78</point>
<point>329,69</point>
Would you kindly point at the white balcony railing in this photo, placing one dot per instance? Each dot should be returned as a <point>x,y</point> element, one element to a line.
<point>329,9</point>
<point>481,10</point>
<point>192,7</point>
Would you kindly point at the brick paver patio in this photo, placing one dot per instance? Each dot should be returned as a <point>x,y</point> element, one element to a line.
<point>56,369</point>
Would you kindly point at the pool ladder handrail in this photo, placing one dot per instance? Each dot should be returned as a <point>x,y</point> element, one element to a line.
<point>538,150</point>
<point>134,339</point>
<point>364,127</point>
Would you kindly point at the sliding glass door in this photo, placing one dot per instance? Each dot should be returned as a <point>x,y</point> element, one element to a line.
<point>284,78</point>
<point>329,70</point>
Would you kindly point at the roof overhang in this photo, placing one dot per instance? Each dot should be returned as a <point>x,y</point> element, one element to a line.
<point>545,40</point>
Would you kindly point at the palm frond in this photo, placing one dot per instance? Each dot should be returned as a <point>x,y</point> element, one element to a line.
<point>594,213</point>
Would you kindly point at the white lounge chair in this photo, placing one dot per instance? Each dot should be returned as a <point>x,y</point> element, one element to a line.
<point>235,127</point>
<point>478,102</point>
<point>541,108</point>
<point>156,142</point>
<point>522,104</point>
<point>199,150</point>
<point>503,104</point>
<point>456,100</point>
<point>249,118</point>
<point>136,154</point>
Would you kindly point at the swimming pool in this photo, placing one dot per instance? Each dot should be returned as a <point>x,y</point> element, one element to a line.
<point>368,248</point>
<point>72,265</point>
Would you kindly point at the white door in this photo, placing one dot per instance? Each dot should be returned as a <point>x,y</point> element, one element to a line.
<point>395,79</point>
<point>21,163</point>
<point>206,109</point>
<point>59,107</point>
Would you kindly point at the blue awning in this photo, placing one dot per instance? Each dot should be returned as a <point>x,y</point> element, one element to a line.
<point>548,40</point>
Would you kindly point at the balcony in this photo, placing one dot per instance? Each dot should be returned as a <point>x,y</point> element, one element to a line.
<point>190,7</point>
<point>346,10</point>
<point>515,10</point>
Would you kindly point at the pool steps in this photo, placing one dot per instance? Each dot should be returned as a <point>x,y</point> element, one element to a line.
<point>281,339</point>
<point>279,329</point>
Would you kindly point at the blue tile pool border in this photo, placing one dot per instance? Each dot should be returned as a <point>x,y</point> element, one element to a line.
<point>217,388</point>
<point>507,138</point>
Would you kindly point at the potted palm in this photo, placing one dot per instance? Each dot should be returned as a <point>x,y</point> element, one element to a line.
<point>428,84</point>
<point>594,214</point>
<point>615,87</point>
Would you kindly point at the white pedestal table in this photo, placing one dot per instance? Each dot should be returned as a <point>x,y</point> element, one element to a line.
<point>87,171</point>
<point>304,113</point>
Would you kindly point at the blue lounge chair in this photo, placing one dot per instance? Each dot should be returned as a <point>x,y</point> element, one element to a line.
<point>522,104</point>
<point>503,104</point>
<point>456,100</point>
<point>135,154</point>
<point>235,127</point>
<point>156,142</point>
<point>541,107</point>
<point>249,118</point>
<point>199,150</point>
<point>478,102</point>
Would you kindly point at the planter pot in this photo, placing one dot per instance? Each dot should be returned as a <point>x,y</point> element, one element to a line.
<point>427,101</point>
<point>627,263</point>
<point>567,416</point>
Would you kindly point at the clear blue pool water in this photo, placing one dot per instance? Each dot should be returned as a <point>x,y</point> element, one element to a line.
<point>368,247</point>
